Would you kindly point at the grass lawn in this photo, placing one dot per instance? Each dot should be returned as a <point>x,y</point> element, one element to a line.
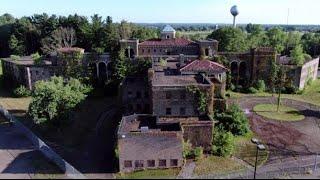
<point>216,165</point>
<point>285,113</point>
<point>150,174</point>
<point>310,95</point>
<point>246,150</point>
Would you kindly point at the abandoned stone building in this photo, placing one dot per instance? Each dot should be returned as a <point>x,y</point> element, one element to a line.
<point>25,71</point>
<point>300,75</point>
<point>145,144</point>
<point>166,97</point>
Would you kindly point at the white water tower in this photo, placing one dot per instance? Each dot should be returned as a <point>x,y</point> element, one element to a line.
<point>235,12</point>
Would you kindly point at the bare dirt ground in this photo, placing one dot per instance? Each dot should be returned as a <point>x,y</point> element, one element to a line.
<point>286,140</point>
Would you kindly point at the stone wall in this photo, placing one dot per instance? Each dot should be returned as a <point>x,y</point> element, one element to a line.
<point>135,96</point>
<point>179,100</point>
<point>198,133</point>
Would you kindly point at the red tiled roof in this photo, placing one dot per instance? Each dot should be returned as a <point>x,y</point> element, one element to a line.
<point>203,66</point>
<point>167,42</point>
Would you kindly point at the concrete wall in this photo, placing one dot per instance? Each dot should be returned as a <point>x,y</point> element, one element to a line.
<point>308,70</point>
<point>150,146</point>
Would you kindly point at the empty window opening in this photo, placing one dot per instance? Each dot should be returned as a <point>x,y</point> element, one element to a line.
<point>151,163</point>
<point>162,163</point>
<point>174,162</point>
<point>127,164</point>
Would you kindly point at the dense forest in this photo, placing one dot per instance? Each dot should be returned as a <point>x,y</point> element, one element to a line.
<point>41,32</point>
<point>44,33</point>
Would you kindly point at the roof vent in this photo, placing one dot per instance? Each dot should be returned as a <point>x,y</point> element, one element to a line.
<point>144,129</point>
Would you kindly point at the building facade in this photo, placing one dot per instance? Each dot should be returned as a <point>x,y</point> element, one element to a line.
<point>26,72</point>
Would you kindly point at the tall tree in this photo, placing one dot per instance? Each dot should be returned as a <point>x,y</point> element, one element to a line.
<point>230,39</point>
<point>60,38</point>
<point>277,39</point>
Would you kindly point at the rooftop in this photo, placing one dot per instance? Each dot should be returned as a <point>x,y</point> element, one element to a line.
<point>168,28</point>
<point>168,42</point>
<point>138,123</point>
<point>25,60</point>
<point>203,66</point>
<point>163,79</point>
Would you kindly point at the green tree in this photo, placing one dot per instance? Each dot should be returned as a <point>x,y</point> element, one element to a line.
<point>234,120</point>
<point>16,46</point>
<point>122,66</point>
<point>53,100</point>
<point>277,38</point>
<point>297,55</point>
<point>36,58</point>
<point>223,142</point>
<point>230,39</point>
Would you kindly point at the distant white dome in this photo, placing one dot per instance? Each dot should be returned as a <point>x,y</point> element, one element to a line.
<point>168,28</point>
<point>234,10</point>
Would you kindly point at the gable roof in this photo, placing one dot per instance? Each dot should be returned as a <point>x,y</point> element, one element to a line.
<point>203,66</point>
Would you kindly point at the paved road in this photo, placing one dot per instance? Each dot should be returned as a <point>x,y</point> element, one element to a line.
<point>19,159</point>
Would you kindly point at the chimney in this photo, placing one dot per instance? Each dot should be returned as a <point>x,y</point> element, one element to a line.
<point>144,129</point>
<point>181,60</point>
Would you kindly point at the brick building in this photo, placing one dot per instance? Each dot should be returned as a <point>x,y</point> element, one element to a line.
<point>168,45</point>
<point>165,94</point>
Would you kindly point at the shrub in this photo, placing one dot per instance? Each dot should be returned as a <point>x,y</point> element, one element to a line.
<point>234,120</point>
<point>223,142</point>
<point>21,91</point>
<point>36,58</point>
<point>261,86</point>
<point>163,62</point>
<point>15,57</point>
<point>252,90</point>
<point>198,153</point>
<point>232,87</point>
<point>187,150</point>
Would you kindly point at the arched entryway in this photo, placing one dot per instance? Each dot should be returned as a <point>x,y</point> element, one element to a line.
<point>92,69</point>
<point>242,73</point>
<point>234,72</point>
<point>102,70</point>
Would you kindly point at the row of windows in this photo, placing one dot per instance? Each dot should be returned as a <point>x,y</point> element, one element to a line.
<point>150,163</point>
<point>139,108</point>
<point>169,95</point>
<point>155,50</point>
<point>182,111</point>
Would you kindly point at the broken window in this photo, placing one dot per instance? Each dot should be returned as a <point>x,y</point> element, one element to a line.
<point>127,164</point>
<point>138,164</point>
<point>151,163</point>
<point>162,163</point>
<point>168,111</point>
<point>174,162</point>
<point>168,95</point>
<point>182,111</point>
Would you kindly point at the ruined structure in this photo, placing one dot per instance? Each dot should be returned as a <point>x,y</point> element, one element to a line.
<point>25,71</point>
<point>171,93</point>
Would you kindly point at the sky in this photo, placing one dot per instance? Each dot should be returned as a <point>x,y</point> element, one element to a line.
<point>174,11</point>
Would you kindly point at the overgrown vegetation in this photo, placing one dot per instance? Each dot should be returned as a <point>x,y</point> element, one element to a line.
<point>201,98</point>
<point>21,91</point>
<point>233,120</point>
<point>53,100</point>
<point>223,142</point>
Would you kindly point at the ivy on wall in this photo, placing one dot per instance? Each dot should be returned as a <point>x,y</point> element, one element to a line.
<point>200,96</point>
